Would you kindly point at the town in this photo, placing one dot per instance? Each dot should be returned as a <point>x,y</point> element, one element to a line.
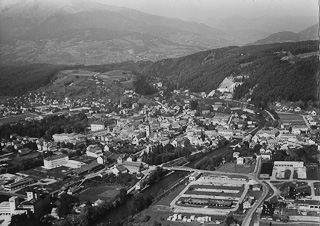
<point>226,161</point>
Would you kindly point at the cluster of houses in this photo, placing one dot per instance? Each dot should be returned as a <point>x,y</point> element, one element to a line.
<point>142,125</point>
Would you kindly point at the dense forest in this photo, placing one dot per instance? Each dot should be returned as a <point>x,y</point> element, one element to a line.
<point>204,71</point>
<point>47,127</point>
<point>143,87</point>
<point>161,154</point>
<point>16,80</point>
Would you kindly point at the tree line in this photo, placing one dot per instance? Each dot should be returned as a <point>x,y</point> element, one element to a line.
<point>46,127</point>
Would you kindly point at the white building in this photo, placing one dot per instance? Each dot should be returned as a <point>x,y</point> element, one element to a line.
<point>10,207</point>
<point>279,168</point>
<point>63,137</point>
<point>55,161</point>
<point>288,164</point>
<point>240,161</point>
<point>98,125</point>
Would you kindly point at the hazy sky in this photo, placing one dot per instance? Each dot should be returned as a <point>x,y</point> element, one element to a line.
<point>187,9</point>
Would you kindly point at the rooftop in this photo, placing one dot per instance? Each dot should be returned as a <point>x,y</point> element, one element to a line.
<point>53,157</point>
<point>87,167</point>
<point>136,164</point>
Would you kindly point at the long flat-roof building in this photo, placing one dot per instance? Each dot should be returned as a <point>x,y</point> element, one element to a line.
<point>18,184</point>
<point>288,164</point>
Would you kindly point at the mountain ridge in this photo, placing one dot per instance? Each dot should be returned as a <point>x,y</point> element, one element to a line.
<point>311,33</point>
<point>63,34</point>
<point>79,32</point>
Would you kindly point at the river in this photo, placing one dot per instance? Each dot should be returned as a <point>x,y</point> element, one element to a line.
<point>121,212</point>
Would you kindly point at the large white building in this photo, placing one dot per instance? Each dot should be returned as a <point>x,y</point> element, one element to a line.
<point>288,164</point>
<point>62,137</point>
<point>10,207</point>
<point>55,161</point>
<point>67,137</point>
<point>280,167</point>
<point>97,125</point>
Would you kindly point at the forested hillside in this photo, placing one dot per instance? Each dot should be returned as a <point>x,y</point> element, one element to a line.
<point>16,80</point>
<point>269,72</point>
<point>276,80</point>
<point>277,71</point>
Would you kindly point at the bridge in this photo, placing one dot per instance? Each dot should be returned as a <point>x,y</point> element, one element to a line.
<point>188,169</point>
<point>180,168</point>
<point>270,115</point>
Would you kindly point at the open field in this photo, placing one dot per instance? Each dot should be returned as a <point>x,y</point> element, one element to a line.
<point>106,193</point>
<point>78,72</point>
<point>115,75</point>
<point>166,200</point>
<point>231,167</point>
<point>84,84</point>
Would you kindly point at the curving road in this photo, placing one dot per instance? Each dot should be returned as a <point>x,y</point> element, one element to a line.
<point>265,190</point>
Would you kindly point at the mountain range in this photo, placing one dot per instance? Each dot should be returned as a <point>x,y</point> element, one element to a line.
<point>310,33</point>
<point>80,32</point>
<point>91,32</point>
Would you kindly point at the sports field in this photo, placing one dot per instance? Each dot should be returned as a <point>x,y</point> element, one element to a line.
<point>106,193</point>
<point>234,168</point>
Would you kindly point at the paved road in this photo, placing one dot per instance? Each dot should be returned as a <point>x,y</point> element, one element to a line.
<point>248,217</point>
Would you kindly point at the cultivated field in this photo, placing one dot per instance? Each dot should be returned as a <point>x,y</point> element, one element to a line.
<point>106,193</point>
<point>87,84</point>
<point>115,75</point>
